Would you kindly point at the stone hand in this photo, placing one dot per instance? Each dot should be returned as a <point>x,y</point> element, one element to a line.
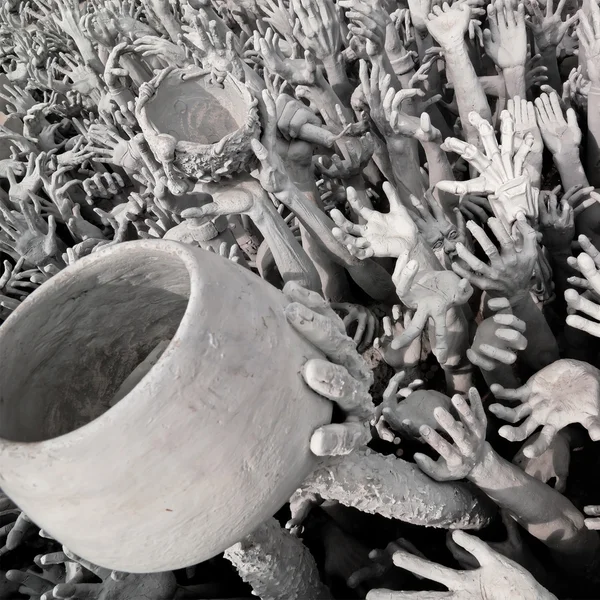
<point>501,169</point>
<point>505,41</point>
<point>565,392</point>
<point>560,135</point>
<point>497,577</point>
<point>343,378</point>
<point>383,234</point>
<point>467,447</point>
<point>317,27</point>
<point>548,27</point>
<point>498,338</point>
<point>360,320</point>
<point>510,267</point>
<point>449,24</point>
<point>407,357</point>
<point>431,294</point>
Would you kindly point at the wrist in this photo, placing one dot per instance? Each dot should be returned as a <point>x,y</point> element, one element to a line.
<point>514,79</point>
<point>334,64</point>
<point>484,467</point>
<point>547,50</point>
<point>568,158</point>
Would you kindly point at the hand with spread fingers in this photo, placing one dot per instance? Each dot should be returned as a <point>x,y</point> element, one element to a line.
<point>496,578</point>
<point>563,393</point>
<point>343,378</point>
<point>433,295</point>
<point>510,267</point>
<point>467,449</point>
<point>391,234</point>
<point>498,338</point>
<point>406,358</point>
<point>501,168</point>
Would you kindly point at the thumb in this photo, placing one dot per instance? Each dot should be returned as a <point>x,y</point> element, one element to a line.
<point>592,424</point>
<point>339,438</point>
<point>210,209</point>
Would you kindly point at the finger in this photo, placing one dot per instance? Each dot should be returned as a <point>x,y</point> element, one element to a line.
<point>587,267</point>
<point>412,332</point>
<point>313,300</point>
<point>512,415</point>
<point>514,339</point>
<point>426,569</point>
<point>480,361</point>
<point>583,324</point>
<point>453,429</point>
<point>436,441</point>
<point>326,336</point>
<point>506,357</point>
<point>520,433</point>
<point>521,393</point>
<point>335,383</point>
<point>339,438</point>
<point>404,276</point>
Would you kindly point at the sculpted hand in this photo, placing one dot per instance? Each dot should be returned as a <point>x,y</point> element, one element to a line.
<point>295,71</point>
<point>467,450</point>
<point>505,41</point>
<point>563,393</point>
<point>407,410</point>
<point>548,28</point>
<point>317,27</point>
<point>344,378</point>
<point>501,169</point>
<point>391,234</point>
<point>449,24</point>
<point>557,227</point>
<point>431,294</point>
<point>559,134</point>
<point>510,268</point>
<point>588,33</point>
<point>407,357</point>
<point>360,320</point>
<point>497,577</point>
<point>497,338</point>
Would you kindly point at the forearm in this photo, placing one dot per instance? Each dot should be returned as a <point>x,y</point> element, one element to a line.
<point>338,79</point>
<point>543,512</point>
<point>570,168</point>
<point>551,63</point>
<point>542,348</point>
<point>514,80</point>
<point>87,51</point>
<point>166,17</point>
<point>593,138</point>
<point>291,259</point>
<point>467,89</point>
<point>334,284</point>
<point>404,160</point>
<point>136,69</point>
<point>318,224</point>
<point>439,165</point>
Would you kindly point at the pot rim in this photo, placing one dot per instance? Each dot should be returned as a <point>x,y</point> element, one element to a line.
<point>247,128</point>
<point>125,407</point>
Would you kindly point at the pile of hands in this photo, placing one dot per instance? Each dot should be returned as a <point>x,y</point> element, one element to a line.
<point>420,194</point>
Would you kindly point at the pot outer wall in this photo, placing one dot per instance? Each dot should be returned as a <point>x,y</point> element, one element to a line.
<point>210,443</point>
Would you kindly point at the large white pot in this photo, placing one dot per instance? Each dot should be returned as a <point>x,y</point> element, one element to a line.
<point>212,441</point>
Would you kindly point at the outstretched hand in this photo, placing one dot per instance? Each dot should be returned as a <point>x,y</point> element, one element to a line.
<point>344,378</point>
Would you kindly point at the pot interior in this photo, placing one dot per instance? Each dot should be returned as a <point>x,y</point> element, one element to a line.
<point>66,352</point>
<point>196,110</point>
